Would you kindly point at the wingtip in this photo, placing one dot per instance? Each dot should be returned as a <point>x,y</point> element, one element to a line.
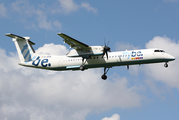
<point>8,34</point>
<point>59,33</point>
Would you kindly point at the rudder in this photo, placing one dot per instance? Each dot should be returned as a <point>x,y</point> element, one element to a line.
<point>23,46</point>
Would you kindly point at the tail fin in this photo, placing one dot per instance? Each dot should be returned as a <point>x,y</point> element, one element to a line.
<point>23,46</point>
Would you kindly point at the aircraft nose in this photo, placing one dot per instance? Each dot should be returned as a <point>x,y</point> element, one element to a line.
<point>170,57</point>
<point>173,58</point>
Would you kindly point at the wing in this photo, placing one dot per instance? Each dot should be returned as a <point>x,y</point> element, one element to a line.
<point>77,45</point>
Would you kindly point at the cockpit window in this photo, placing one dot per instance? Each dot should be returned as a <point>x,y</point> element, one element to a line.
<point>159,51</point>
<point>162,51</point>
<point>156,50</point>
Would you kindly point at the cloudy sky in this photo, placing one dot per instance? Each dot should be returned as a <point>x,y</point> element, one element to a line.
<point>144,92</point>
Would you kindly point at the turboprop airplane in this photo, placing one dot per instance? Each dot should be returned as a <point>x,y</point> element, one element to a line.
<point>83,56</point>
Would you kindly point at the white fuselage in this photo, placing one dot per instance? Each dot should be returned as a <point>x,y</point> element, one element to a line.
<point>121,58</point>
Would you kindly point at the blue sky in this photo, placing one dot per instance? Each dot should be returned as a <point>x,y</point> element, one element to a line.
<point>143,92</point>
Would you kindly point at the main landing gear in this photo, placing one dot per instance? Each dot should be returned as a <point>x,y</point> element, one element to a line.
<point>104,76</point>
<point>166,64</point>
<point>82,68</point>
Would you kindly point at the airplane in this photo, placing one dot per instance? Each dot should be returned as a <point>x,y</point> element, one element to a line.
<point>83,56</point>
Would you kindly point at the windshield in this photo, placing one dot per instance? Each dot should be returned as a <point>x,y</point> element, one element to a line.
<point>159,51</point>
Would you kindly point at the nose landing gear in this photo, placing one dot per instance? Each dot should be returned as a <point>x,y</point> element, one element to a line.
<point>166,64</point>
<point>104,77</point>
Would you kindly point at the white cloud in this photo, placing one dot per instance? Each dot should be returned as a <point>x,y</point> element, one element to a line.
<point>89,7</point>
<point>113,117</point>
<point>29,93</point>
<point>57,24</point>
<point>23,7</point>
<point>41,19</point>
<point>165,43</point>
<point>11,61</point>
<point>157,71</point>
<point>123,46</point>
<point>68,6</point>
<point>158,90</point>
<point>3,10</point>
<point>37,16</point>
<point>29,12</point>
<point>52,49</point>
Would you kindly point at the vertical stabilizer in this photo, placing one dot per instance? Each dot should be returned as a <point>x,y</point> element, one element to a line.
<point>23,46</point>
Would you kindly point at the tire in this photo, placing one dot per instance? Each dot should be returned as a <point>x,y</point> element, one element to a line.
<point>104,77</point>
<point>166,65</point>
<point>82,68</point>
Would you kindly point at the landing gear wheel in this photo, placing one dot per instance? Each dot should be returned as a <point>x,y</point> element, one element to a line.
<point>104,77</point>
<point>82,68</point>
<point>166,65</point>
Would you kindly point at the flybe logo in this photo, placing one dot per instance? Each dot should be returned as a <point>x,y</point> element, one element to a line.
<point>134,55</point>
<point>138,54</point>
<point>43,62</point>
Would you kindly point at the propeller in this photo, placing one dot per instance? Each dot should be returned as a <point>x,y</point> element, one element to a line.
<point>106,49</point>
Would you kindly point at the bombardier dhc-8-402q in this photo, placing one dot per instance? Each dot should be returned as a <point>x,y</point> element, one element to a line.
<point>83,56</point>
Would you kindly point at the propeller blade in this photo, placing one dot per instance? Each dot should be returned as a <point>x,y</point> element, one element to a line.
<point>103,53</point>
<point>104,43</point>
<point>107,54</point>
<point>108,43</point>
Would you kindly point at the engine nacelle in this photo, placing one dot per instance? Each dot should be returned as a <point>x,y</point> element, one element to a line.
<point>92,51</point>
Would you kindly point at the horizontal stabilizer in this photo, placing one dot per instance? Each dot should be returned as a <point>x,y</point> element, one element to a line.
<point>20,38</point>
<point>14,36</point>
